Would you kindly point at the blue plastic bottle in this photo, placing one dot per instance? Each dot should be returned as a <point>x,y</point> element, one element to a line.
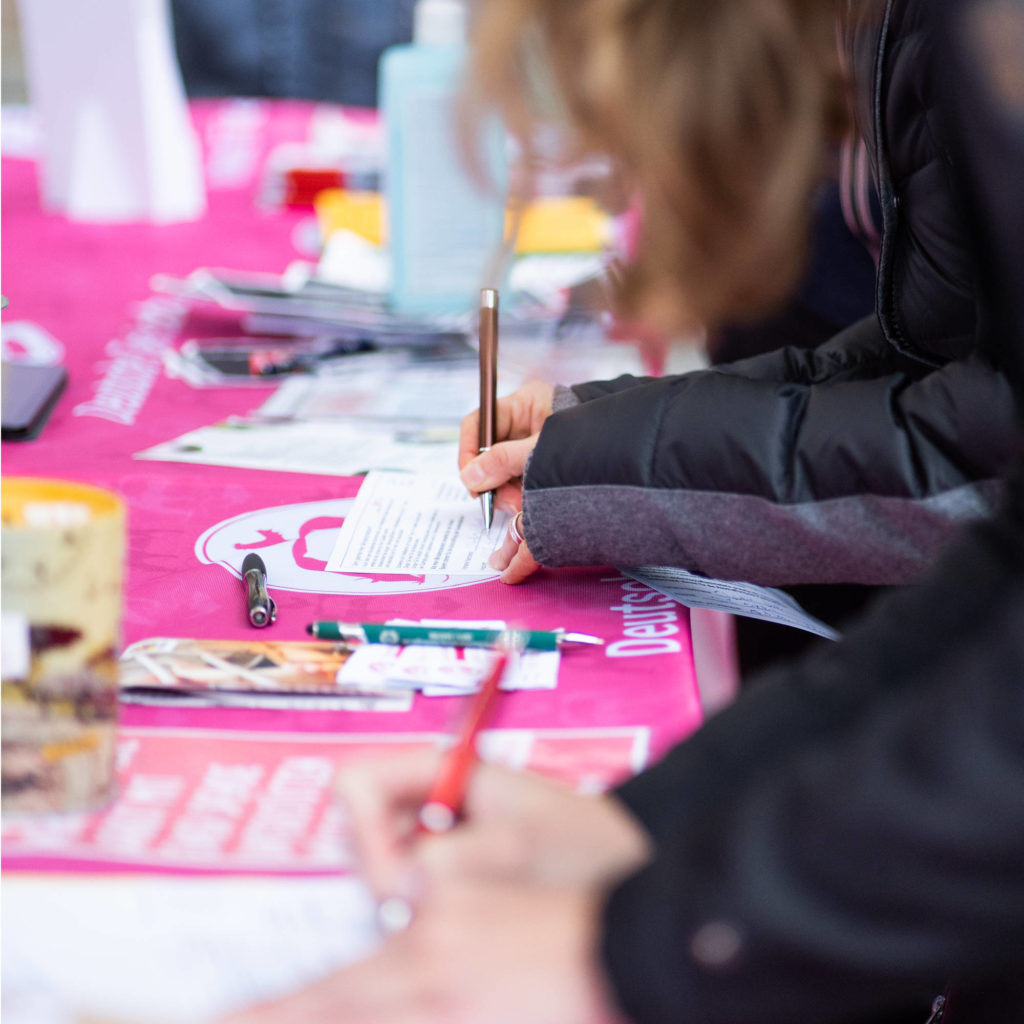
<point>444,228</point>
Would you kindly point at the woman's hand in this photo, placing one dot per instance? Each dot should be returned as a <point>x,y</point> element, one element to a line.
<point>514,559</point>
<point>506,906</point>
<point>517,826</point>
<point>500,952</point>
<point>519,417</point>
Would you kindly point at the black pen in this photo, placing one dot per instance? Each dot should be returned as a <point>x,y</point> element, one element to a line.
<point>488,385</point>
<point>260,605</point>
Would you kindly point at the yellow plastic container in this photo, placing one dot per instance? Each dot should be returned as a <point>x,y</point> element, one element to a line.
<point>549,225</point>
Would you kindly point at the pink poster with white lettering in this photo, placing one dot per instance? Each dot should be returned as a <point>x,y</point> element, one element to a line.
<point>214,802</point>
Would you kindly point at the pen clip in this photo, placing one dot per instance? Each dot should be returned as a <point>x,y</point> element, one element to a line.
<point>261,606</point>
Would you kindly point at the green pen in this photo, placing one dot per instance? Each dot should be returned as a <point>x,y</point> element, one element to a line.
<point>449,636</point>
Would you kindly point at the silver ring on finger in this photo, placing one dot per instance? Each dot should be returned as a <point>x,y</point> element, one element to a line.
<point>515,527</point>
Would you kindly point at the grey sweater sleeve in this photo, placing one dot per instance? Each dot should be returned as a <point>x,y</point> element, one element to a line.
<point>846,463</point>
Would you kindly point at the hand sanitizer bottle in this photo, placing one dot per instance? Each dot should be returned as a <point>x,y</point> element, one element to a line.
<point>444,227</point>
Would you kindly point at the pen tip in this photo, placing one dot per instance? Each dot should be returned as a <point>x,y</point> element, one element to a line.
<point>583,638</point>
<point>487,506</point>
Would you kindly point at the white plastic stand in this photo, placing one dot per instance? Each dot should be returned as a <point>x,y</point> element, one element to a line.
<point>117,143</point>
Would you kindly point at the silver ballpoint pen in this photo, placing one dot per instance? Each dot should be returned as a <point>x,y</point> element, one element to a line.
<point>488,385</point>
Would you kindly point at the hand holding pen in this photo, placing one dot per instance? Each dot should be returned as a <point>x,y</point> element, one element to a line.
<point>513,822</point>
<point>519,418</point>
<point>442,805</point>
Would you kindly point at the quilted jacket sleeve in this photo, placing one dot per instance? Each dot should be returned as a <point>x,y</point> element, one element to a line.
<point>847,463</point>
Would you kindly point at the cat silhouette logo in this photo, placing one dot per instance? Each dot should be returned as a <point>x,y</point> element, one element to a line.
<point>295,543</point>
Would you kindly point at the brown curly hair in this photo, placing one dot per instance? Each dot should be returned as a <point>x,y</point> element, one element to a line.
<point>716,112</point>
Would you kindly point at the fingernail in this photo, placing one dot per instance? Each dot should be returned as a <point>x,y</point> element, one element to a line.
<point>497,561</point>
<point>394,914</point>
<point>472,475</point>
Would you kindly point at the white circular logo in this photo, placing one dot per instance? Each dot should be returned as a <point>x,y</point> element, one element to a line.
<point>295,542</point>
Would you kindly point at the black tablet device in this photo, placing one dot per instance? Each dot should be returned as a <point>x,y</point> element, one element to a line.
<point>29,395</point>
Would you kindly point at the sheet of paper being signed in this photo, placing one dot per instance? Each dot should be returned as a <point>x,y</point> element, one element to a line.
<point>416,523</point>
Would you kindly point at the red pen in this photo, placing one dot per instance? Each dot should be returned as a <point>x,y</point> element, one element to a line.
<point>443,805</point>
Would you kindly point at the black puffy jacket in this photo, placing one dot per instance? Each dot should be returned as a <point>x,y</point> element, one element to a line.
<point>853,462</point>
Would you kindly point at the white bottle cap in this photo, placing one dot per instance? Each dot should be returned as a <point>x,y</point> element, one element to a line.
<point>439,22</point>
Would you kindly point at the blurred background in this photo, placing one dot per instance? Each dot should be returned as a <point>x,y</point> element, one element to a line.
<point>299,49</point>
<point>11,63</point>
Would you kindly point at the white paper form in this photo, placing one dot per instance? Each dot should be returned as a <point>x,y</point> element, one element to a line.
<point>334,448</point>
<point>166,950</point>
<point>416,522</point>
<point>455,672</point>
<point>734,596</point>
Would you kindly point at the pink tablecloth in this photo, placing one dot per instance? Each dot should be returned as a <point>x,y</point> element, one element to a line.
<point>86,290</point>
